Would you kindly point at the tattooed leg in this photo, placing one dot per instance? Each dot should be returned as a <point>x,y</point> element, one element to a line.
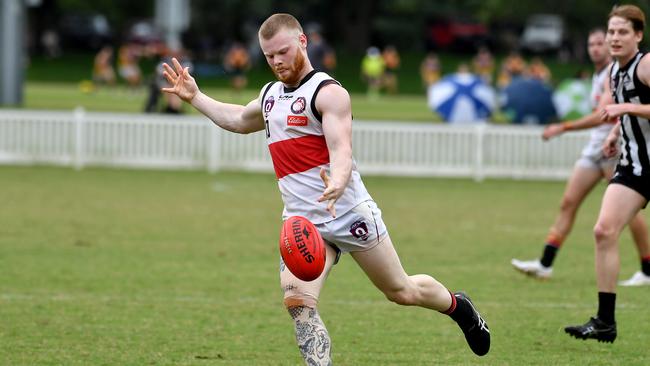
<point>311,335</point>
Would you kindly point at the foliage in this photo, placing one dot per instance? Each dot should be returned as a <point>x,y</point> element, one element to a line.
<point>353,25</point>
<point>118,12</point>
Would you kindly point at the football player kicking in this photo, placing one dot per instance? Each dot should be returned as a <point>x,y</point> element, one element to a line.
<point>308,123</point>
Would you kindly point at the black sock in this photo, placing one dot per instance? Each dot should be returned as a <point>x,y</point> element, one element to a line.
<point>606,307</point>
<point>462,312</point>
<point>645,266</point>
<point>549,255</point>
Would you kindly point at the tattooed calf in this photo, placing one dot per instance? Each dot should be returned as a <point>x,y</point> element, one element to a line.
<point>312,336</point>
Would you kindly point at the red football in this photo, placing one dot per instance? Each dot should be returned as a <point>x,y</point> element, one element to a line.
<point>302,248</point>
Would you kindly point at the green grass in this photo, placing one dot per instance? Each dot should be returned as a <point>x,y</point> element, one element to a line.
<point>121,267</point>
<point>67,96</point>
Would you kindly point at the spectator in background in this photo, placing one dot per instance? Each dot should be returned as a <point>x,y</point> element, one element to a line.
<point>322,56</point>
<point>430,70</point>
<point>372,70</point>
<point>51,43</point>
<point>538,70</point>
<point>392,61</point>
<point>103,72</point>
<point>237,62</point>
<point>127,61</point>
<point>512,66</point>
<point>483,64</point>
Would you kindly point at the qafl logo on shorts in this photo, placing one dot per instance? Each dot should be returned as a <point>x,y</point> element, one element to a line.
<point>268,104</point>
<point>298,106</point>
<point>360,230</point>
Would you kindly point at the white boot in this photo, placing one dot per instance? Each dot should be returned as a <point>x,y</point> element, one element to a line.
<point>637,279</point>
<point>532,268</point>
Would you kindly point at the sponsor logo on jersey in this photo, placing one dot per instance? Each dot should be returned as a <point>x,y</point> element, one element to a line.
<point>298,106</point>
<point>297,120</point>
<point>285,97</point>
<point>268,104</point>
<point>360,230</point>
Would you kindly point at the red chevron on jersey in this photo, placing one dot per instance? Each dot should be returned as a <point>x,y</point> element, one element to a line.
<point>298,155</point>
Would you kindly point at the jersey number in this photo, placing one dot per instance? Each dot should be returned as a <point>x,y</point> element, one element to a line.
<point>266,126</point>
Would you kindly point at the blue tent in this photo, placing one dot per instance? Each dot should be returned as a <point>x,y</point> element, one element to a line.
<point>528,101</point>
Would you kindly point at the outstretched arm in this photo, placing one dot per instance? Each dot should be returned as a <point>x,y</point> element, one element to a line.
<point>591,120</point>
<point>231,117</point>
<point>333,103</point>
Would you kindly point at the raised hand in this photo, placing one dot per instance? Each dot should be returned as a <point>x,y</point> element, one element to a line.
<point>183,84</point>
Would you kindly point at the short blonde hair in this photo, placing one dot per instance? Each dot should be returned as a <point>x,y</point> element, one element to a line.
<point>275,22</point>
<point>631,13</point>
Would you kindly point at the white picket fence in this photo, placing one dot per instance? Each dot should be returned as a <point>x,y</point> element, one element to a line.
<point>191,142</point>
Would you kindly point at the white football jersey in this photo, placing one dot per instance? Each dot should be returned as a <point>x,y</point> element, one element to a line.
<point>294,134</point>
<point>599,133</point>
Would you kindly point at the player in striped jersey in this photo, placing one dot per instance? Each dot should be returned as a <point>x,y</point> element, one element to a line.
<point>626,98</point>
<point>307,118</point>
<point>590,168</point>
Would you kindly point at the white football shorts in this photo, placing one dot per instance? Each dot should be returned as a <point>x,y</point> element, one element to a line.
<point>592,157</point>
<point>358,230</point>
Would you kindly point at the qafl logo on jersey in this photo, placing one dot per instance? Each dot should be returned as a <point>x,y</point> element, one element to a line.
<point>298,106</point>
<point>268,104</point>
<point>360,230</point>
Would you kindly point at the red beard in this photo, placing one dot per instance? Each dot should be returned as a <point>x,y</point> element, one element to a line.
<point>293,77</point>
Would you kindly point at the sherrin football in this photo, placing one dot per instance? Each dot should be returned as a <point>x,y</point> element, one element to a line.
<point>302,248</point>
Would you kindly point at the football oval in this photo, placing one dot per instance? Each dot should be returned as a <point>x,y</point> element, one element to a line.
<point>302,248</point>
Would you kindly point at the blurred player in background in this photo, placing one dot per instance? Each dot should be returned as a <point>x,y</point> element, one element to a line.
<point>626,99</point>
<point>237,63</point>
<point>390,81</point>
<point>103,72</point>
<point>321,54</point>
<point>307,119</point>
<point>589,170</point>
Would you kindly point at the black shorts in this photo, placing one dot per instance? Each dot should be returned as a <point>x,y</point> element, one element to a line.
<point>640,184</point>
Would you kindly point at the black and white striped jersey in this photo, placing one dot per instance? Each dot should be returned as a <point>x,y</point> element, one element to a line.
<point>627,88</point>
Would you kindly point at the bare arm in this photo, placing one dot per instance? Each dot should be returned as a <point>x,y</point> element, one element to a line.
<point>231,117</point>
<point>591,120</point>
<point>640,110</point>
<point>333,103</point>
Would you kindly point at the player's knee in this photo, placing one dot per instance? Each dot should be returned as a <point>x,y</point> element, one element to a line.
<point>402,296</point>
<point>568,203</point>
<point>295,301</point>
<point>604,234</point>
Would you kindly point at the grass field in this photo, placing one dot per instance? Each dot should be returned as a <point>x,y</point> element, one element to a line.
<point>67,96</point>
<point>120,267</point>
